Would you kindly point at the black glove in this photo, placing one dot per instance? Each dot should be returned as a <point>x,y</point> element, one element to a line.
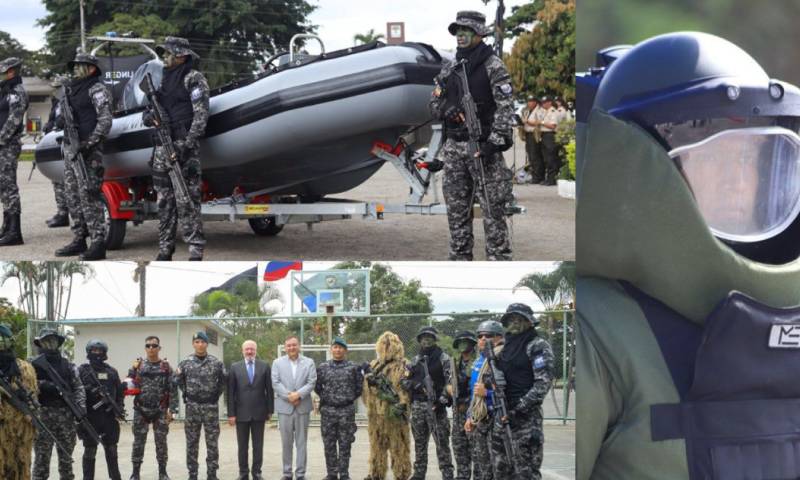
<point>60,123</point>
<point>48,387</point>
<point>86,147</point>
<point>148,119</point>
<point>488,149</point>
<point>366,368</point>
<point>444,400</point>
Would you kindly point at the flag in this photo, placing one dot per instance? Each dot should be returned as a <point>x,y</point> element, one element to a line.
<point>277,270</point>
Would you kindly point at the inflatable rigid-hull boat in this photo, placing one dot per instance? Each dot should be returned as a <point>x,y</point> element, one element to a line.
<point>305,128</point>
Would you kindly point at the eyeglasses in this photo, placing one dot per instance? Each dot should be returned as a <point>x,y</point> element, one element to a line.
<point>151,345</point>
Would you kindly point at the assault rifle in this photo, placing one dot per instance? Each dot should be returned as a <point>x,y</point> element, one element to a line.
<point>64,393</point>
<point>22,400</point>
<point>430,399</point>
<point>160,119</point>
<point>385,392</point>
<point>501,407</point>
<point>105,398</point>
<point>71,143</point>
<point>473,124</point>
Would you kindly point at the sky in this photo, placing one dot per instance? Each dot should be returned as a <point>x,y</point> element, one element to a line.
<point>454,287</point>
<point>338,20</point>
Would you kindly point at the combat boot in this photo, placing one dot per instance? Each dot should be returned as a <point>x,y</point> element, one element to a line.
<point>165,255</point>
<point>6,224</point>
<point>13,235</point>
<point>60,219</point>
<point>136,468</point>
<point>162,472</point>
<point>77,247</point>
<point>97,251</point>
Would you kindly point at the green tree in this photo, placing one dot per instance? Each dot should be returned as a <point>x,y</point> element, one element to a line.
<point>369,37</point>
<point>18,321</point>
<point>232,37</point>
<point>543,60</point>
<point>148,26</point>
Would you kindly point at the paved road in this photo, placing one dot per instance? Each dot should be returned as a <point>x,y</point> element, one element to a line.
<point>547,232</point>
<point>559,455</point>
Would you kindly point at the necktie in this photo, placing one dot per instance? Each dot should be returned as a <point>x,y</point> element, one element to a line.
<point>250,372</point>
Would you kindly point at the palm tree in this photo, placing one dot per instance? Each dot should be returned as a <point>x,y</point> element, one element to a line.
<point>368,37</point>
<point>31,279</point>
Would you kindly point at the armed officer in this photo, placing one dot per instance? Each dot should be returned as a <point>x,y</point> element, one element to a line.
<point>339,384</point>
<point>13,104</point>
<point>90,102</point>
<point>201,378</point>
<point>55,413</point>
<point>184,94</point>
<point>525,371</point>
<point>16,430</point>
<point>104,397</point>
<point>464,344</point>
<point>485,176</point>
<point>155,403</point>
<point>480,414</point>
<point>439,369</point>
<point>61,217</point>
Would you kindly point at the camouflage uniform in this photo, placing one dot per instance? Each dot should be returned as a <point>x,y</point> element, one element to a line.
<point>461,185</point>
<point>102,419</point>
<point>419,417</point>
<point>157,394</point>
<point>58,418</point>
<point>59,190</point>
<point>202,381</point>
<point>13,104</point>
<point>195,89</point>
<point>480,436</point>
<point>461,442</point>
<point>525,414</point>
<point>338,385</point>
<point>86,205</point>
<point>16,430</point>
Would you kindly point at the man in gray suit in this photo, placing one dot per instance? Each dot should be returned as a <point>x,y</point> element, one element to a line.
<point>250,404</point>
<point>293,379</point>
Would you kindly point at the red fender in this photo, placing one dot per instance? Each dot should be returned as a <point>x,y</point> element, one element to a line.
<point>116,193</point>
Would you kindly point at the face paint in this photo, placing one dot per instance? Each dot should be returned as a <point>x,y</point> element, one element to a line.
<point>464,37</point>
<point>49,343</point>
<point>518,325</point>
<point>6,343</point>
<point>81,70</point>
<point>170,60</point>
<point>465,347</point>
<point>427,341</point>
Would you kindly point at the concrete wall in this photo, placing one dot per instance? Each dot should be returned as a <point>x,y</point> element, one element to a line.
<point>126,344</point>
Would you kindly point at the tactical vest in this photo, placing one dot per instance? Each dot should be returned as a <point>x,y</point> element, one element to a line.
<point>481,89</point>
<point>80,99</point>
<point>463,375</point>
<point>63,369</point>
<point>436,371</point>
<point>177,102</point>
<point>739,410</point>
<point>110,384</point>
<point>518,374</point>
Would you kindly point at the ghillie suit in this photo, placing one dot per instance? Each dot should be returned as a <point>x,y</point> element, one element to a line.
<point>16,431</point>
<point>388,410</point>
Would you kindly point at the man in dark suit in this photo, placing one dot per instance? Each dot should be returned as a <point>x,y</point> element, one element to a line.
<point>250,404</point>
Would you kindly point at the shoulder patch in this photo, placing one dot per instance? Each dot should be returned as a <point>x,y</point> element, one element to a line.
<point>99,97</point>
<point>505,88</point>
<point>197,94</point>
<point>13,99</point>
<point>539,361</point>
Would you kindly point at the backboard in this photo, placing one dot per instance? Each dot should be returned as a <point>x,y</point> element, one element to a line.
<point>338,292</point>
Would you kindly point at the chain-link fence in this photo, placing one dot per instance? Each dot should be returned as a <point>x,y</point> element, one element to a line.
<point>315,334</point>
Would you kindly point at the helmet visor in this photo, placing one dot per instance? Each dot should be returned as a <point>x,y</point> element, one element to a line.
<point>746,181</point>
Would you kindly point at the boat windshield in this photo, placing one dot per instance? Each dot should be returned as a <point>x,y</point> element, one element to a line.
<point>132,96</point>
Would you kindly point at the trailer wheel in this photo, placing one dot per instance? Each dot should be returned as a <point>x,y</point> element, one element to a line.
<point>115,228</point>
<point>265,226</point>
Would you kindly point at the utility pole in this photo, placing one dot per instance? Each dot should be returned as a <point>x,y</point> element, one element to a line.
<point>140,275</point>
<point>50,313</point>
<point>499,28</point>
<point>83,29</point>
